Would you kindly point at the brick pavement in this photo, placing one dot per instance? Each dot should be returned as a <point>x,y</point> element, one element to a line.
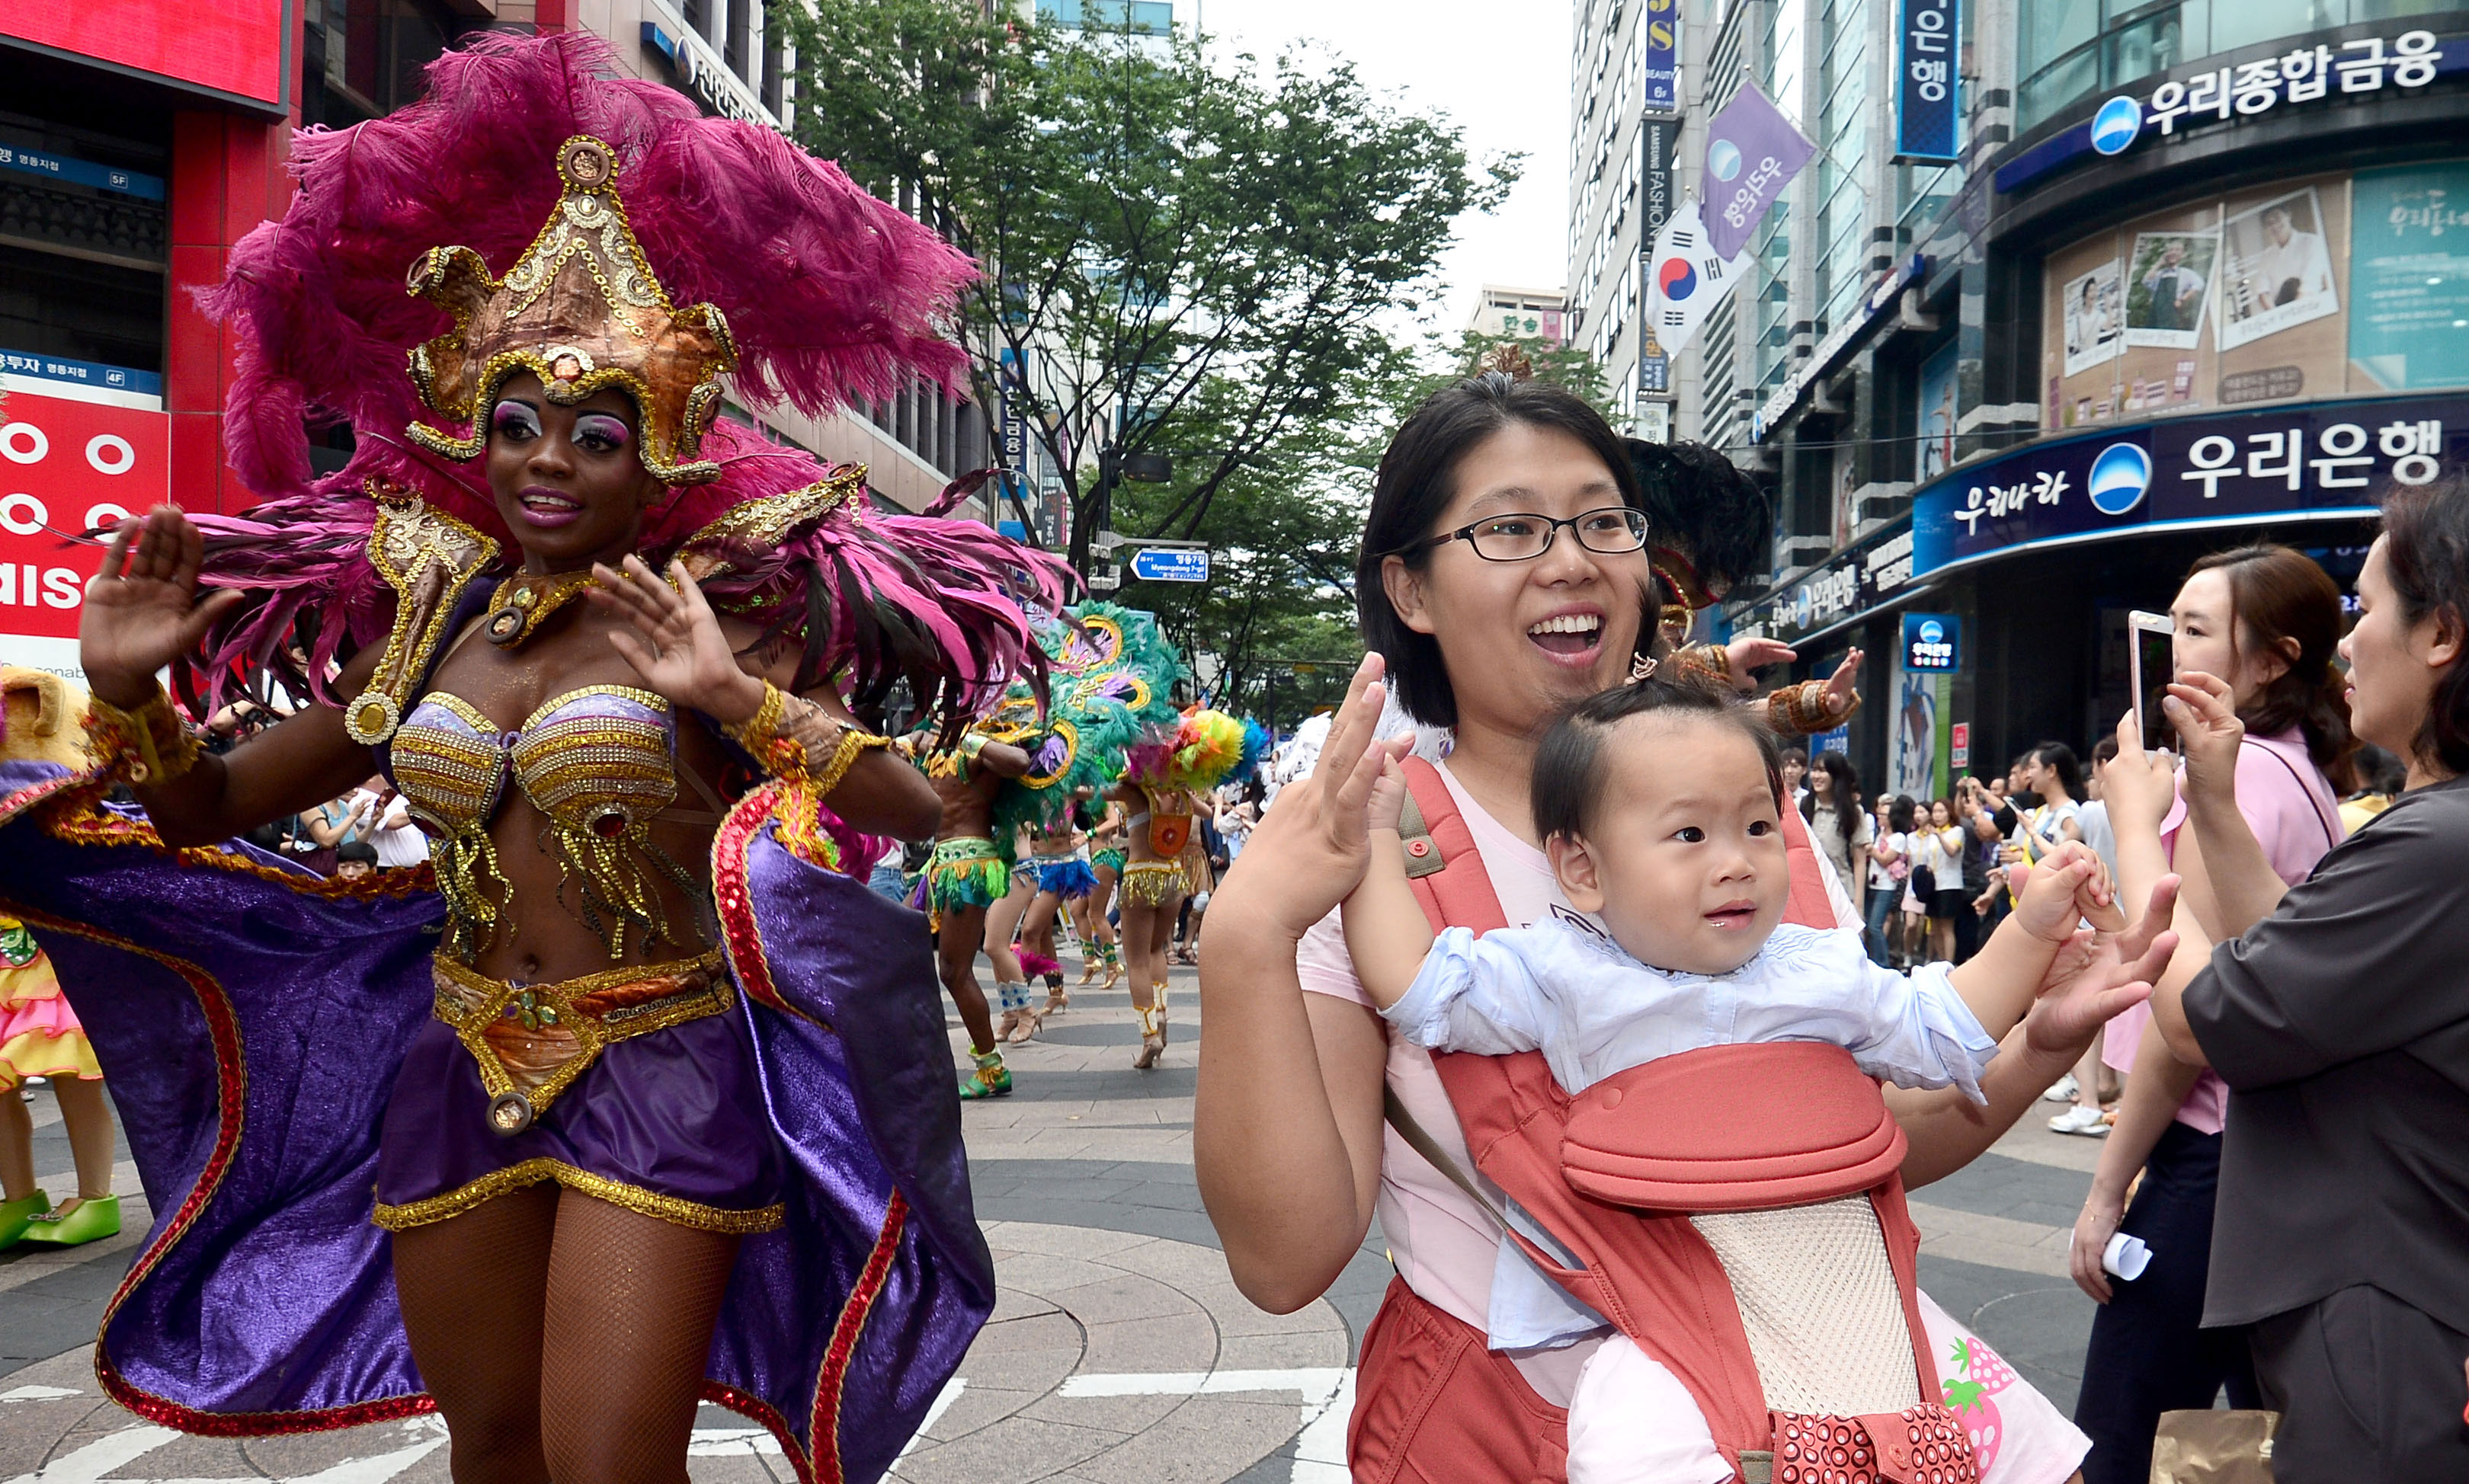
<point>1120,1352</point>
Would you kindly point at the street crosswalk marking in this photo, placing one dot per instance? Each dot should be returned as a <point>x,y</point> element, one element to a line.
<point>1328,1400</point>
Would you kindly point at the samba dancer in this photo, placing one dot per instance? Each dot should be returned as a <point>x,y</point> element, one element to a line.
<point>651,1123</point>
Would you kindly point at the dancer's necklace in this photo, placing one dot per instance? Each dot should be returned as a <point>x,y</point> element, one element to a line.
<point>523,602</point>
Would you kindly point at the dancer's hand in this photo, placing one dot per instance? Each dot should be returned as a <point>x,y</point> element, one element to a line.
<point>673,640</point>
<point>141,608</point>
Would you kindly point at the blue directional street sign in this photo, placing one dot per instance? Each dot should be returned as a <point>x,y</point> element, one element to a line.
<point>1157,564</point>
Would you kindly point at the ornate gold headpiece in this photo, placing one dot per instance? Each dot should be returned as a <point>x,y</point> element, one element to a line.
<point>581,309</point>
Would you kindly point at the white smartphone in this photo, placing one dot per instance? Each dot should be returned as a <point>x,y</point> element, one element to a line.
<point>2151,663</point>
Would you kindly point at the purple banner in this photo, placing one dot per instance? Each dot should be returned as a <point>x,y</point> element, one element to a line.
<point>1752,153</point>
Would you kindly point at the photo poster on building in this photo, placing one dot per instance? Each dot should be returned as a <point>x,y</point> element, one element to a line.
<point>1660,36</point>
<point>1937,412</point>
<point>2093,326</point>
<point>2229,302</point>
<point>2277,268</point>
<point>70,461</point>
<point>2409,278</point>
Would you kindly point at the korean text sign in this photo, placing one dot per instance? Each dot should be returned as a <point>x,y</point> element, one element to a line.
<point>1925,116</point>
<point>2319,456</point>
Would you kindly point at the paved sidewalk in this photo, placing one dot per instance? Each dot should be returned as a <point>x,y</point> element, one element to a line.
<point>1120,1352</point>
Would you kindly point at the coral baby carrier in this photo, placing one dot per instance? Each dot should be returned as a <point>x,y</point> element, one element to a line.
<point>1614,1175</point>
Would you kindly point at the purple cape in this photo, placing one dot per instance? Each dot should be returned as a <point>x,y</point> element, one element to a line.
<point>251,1020</point>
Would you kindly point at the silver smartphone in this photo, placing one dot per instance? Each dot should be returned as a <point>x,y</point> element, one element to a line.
<point>2150,664</point>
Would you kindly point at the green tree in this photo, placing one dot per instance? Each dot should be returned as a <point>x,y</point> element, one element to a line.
<point>1184,255</point>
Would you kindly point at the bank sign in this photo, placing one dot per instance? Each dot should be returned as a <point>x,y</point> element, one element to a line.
<point>2317,70</point>
<point>1932,642</point>
<point>1852,582</point>
<point>2312,460</point>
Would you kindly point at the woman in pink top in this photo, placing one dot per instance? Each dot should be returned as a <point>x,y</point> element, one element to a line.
<point>1289,1140</point>
<point>2265,620</point>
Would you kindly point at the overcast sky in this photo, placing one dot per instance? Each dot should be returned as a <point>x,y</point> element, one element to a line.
<point>1501,72</point>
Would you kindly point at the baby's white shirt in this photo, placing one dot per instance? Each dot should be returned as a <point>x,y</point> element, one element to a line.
<point>1561,988</point>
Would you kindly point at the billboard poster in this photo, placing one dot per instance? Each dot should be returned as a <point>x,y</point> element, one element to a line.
<point>1916,754</point>
<point>68,463</point>
<point>2095,317</point>
<point>2409,277</point>
<point>2239,301</point>
<point>2278,268</point>
<point>2168,281</point>
<point>1938,416</point>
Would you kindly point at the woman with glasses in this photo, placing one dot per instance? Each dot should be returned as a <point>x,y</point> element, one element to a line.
<point>1512,564</point>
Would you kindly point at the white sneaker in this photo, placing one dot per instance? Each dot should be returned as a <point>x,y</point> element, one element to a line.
<point>2062,1091</point>
<point>2086,1121</point>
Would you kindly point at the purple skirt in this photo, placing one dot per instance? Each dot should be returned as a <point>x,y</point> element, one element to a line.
<point>671,1125</point>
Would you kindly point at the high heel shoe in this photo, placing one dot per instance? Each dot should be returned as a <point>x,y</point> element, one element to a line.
<point>1113,967</point>
<point>991,1079</point>
<point>1152,1031</point>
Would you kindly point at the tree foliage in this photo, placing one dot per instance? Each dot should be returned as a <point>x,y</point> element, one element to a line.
<point>1187,256</point>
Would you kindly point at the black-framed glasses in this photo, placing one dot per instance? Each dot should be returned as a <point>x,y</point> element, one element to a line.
<point>1608,530</point>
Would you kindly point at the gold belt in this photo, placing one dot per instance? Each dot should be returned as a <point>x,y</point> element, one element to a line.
<point>532,1040</point>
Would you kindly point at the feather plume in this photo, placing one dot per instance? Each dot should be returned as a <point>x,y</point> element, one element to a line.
<point>832,295</point>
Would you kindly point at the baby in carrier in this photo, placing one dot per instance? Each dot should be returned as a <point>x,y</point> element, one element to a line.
<point>1659,806</point>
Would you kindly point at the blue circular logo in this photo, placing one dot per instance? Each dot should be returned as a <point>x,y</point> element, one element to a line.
<point>2119,477</point>
<point>1723,158</point>
<point>1932,631</point>
<point>2114,127</point>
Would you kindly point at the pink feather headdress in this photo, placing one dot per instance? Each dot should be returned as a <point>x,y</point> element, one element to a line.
<point>830,296</point>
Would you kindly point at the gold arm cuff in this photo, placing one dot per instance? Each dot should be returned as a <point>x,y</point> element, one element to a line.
<point>971,744</point>
<point>148,746</point>
<point>757,732</point>
<point>844,756</point>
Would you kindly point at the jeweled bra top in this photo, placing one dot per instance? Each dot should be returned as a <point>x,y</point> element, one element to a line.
<point>598,762</point>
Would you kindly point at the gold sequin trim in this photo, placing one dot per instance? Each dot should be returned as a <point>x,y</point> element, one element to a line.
<point>675,1210</point>
<point>471,1004</point>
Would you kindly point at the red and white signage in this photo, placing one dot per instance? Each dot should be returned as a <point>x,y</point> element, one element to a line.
<point>67,466</point>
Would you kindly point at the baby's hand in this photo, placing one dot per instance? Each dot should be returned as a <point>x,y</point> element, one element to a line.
<point>2067,886</point>
<point>1388,802</point>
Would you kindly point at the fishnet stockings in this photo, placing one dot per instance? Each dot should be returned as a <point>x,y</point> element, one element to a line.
<point>471,1289</point>
<point>632,1301</point>
<point>563,1337</point>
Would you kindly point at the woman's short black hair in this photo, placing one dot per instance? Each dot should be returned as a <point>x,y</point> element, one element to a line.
<point>361,851</point>
<point>2425,552</point>
<point>1569,767</point>
<point>1417,479</point>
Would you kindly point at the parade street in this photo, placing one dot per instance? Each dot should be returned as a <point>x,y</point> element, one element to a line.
<point>1119,1353</point>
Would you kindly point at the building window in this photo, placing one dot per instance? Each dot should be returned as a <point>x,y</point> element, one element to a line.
<point>2068,50</point>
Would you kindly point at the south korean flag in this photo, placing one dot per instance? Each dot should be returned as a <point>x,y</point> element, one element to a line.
<point>1686,278</point>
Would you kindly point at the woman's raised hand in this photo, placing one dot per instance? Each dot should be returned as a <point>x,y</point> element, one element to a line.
<point>141,608</point>
<point>673,641</point>
<point>1309,851</point>
<point>2139,786</point>
<point>2203,710</point>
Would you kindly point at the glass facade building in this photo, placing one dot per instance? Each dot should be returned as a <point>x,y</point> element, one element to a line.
<point>2066,51</point>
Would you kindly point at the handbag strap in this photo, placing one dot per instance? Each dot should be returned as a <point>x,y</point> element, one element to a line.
<point>2331,836</point>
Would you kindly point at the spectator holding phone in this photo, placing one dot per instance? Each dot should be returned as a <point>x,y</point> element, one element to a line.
<point>398,841</point>
<point>2265,620</point>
